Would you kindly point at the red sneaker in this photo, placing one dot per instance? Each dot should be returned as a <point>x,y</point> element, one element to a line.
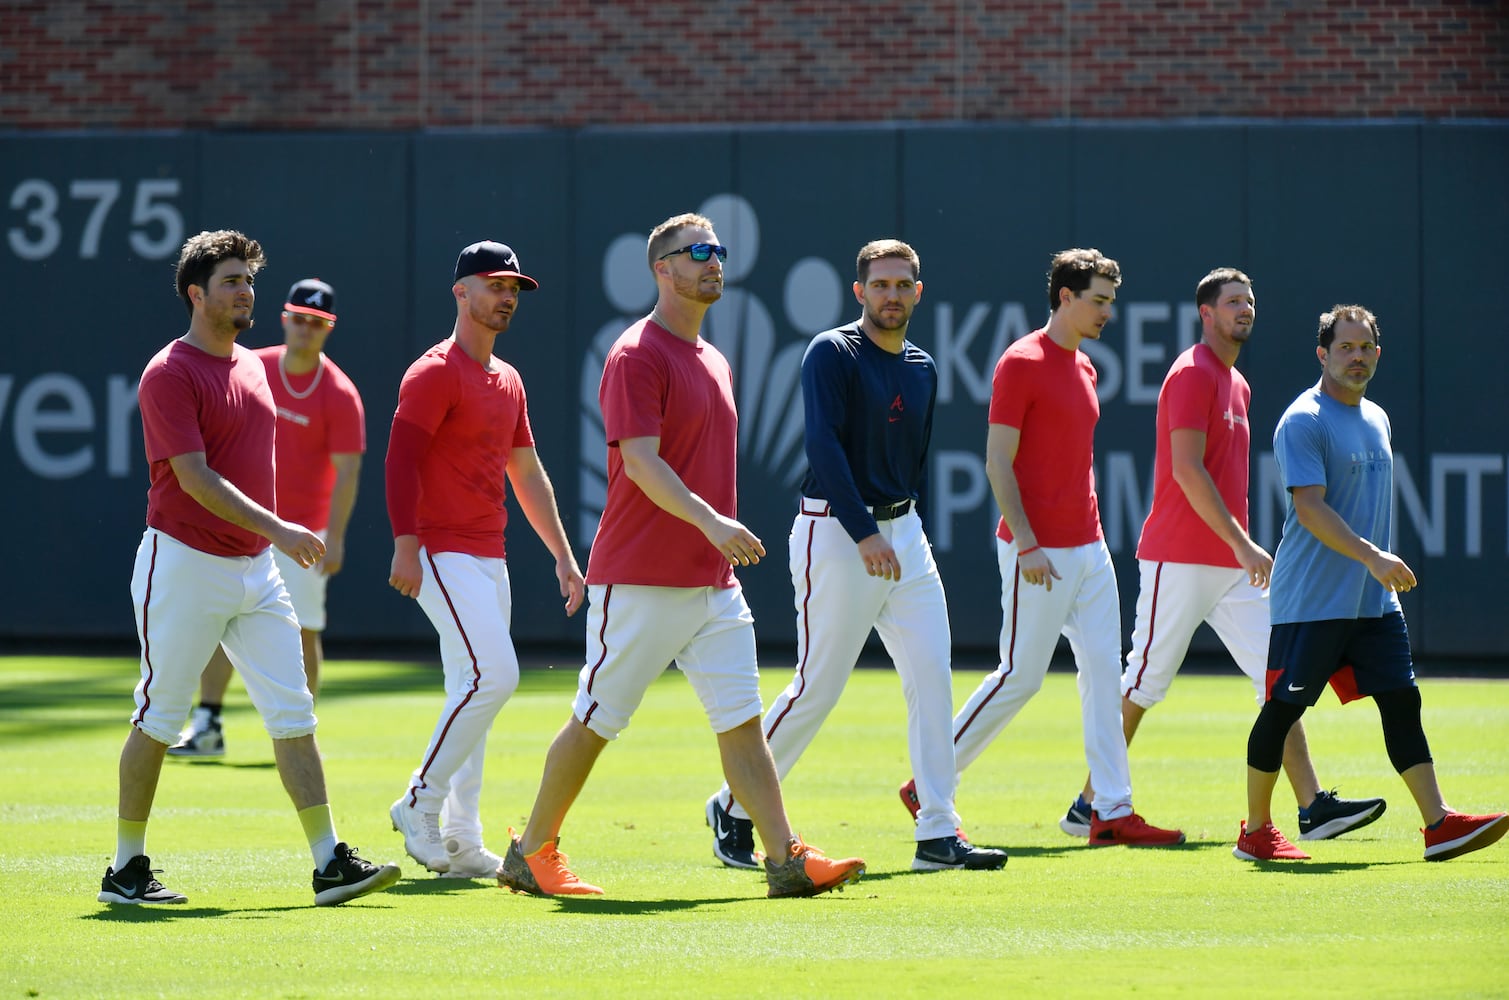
<point>1131,830</point>
<point>1266,844</point>
<point>909,798</point>
<point>1460,833</point>
<point>913,805</point>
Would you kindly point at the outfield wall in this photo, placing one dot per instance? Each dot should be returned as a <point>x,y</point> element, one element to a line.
<point>1409,219</point>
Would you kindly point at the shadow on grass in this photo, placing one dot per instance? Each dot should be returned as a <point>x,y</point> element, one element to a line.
<point>631,907</point>
<point>42,694</point>
<point>149,913</point>
<point>1043,852</point>
<point>240,765</point>
<point>434,885</point>
<point>1321,867</point>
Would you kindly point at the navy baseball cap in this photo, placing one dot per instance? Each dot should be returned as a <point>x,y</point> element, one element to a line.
<point>312,297</point>
<point>491,259</point>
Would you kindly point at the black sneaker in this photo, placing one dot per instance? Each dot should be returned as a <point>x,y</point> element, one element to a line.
<point>134,884</point>
<point>943,853</point>
<point>348,876</point>
<point>1330,817</point>
<point>733,838</point>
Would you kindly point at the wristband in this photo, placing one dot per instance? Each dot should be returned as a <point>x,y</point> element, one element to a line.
<point>1026,552</point>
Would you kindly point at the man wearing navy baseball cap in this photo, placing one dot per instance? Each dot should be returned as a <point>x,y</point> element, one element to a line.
<point>460,443</point>
<point>311,297</point>
<point>490,259</point>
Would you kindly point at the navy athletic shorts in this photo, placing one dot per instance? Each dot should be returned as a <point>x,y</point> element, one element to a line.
<point>1358,657</point>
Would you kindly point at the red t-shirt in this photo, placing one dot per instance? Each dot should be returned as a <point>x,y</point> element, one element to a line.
<point>1048,394</point>
<point>657,385</point>
<point>475,419</point>
<point>1199,393</point>
<point>193,401</point>
<point>319,415</point>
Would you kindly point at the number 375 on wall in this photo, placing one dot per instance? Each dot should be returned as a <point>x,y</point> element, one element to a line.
<point>156,224</point>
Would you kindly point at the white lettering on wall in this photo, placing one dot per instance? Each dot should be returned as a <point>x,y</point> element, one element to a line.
<point>54,410</point>
<point>959,487</point>
<point>1135,361</point>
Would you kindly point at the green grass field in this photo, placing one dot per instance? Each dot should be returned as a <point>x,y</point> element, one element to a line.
<point>1366,917</point>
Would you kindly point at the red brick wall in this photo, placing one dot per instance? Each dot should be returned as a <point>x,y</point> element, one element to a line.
<point>401,64</point>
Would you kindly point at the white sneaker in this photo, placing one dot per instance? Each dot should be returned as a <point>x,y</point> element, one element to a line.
<point>421,835</point>
<point>200,738</point>
<point>470,860</point>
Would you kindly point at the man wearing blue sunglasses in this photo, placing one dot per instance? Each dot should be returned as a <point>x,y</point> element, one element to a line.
<point>660,578</point>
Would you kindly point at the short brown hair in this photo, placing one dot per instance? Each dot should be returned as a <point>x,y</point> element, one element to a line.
<point>1326,334</point>
<point>881,250</point>
<point>203,253</point>
<point>1209,288</point>
<point>1074,269</point>
<point>663,235</point>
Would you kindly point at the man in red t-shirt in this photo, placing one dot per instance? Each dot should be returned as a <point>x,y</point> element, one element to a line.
<point>1197,562</point>
<point>460,436</point>
<point>320,439</point>
<point>205,575</point>
<point>661,577</point>
<point>1056,572</point>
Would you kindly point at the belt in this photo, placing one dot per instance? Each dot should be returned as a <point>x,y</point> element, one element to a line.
<point>884,512</point>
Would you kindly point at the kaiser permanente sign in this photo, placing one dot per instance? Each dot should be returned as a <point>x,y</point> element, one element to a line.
<point>94,221</point>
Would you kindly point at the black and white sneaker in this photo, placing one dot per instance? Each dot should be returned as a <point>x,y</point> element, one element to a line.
<point>733,838</point>
<point>1076,822</point>
<point>1329,816</point>
<point>134,883</point>
<point>202,738</point>
<point>348,876</point>
<point>944,853</point>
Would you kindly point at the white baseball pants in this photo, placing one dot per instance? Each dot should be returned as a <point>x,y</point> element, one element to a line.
<point>187,601</point>
<point>468,600</point>
<point>306,589</point>
<point>1085,608</point>
<point>634,632</point>
<point>837,604</point>
<point>1172,601</point>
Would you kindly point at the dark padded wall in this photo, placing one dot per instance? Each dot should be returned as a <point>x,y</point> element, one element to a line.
<point>1407,219</point>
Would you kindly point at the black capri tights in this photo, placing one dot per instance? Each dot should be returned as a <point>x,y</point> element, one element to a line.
<point>1398,711</point>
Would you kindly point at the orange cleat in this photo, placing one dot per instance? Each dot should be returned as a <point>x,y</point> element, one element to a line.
<point>808,872</point>
<point>543,873</point>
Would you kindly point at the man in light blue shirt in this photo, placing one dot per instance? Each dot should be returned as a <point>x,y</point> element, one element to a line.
<point>1334,598</point>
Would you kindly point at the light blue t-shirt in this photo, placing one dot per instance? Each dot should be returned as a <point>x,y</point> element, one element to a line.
<point>1322,442</point>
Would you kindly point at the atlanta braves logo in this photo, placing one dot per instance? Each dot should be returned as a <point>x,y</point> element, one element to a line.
<point>896,409</point>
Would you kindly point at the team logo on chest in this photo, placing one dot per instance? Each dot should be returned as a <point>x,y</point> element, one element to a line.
<point>896,410</point>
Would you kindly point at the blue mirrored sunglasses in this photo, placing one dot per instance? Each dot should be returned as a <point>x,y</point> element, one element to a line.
<point>699,252</point>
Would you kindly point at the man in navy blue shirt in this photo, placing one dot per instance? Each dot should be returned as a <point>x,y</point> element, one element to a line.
<point>860,559</point>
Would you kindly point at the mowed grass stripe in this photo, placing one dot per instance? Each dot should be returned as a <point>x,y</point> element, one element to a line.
<point>1366,917</point>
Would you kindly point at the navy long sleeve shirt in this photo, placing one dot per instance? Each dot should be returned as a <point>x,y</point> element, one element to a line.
<point>869,417</point>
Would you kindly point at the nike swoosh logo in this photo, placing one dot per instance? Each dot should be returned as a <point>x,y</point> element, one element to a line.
<point>123,889</point>
<point>724,831</point>
<point>1293,688</point>
<point>327,878</point>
